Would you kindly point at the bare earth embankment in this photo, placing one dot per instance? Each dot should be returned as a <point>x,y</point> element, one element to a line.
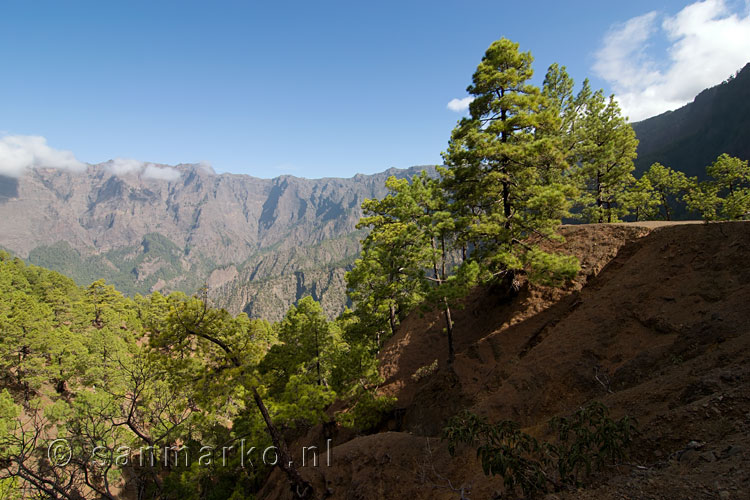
<point>656,326</point>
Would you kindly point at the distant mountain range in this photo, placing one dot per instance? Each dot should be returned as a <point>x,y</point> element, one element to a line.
<point>259,244</point>
<point>689,138</point>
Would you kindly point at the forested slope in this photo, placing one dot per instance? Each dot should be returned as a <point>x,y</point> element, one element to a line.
<point>104,396</point>
<point>470,303</point>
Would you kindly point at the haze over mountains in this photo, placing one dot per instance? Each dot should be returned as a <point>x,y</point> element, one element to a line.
<point>259,244</point>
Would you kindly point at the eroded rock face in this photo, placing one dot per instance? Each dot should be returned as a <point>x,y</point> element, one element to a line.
<point>246,238</point>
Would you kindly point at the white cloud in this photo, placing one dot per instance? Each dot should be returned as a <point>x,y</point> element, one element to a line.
<point>124,166</point>
<point>623,55</point>
<point>206,167</point>
<point>161,173</point>
<point>707,44</point>
<point>20,152</point>
<point>460,105</point>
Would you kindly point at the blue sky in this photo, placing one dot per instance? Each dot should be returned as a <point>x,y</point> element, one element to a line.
<point>319,88</point>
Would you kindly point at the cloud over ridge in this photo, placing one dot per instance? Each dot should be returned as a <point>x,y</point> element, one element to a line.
<point>21,152</point>
<point>707,43</point>
<point>160,173</point>
<point>128,166</point>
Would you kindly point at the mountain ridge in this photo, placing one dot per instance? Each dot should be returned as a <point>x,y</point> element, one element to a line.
<point>182,225</point>
<point>689,138</point>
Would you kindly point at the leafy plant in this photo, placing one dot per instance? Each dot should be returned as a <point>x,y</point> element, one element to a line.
<point>367,412</point>
<point>583,442</point>
<point>587,440</point>
<point>424,371</point>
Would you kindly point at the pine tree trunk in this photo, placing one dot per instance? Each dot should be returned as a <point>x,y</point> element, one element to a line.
<point>434,261</point>
<point>317,357</point>
<point>449,329</point>
<point>599,196</point>
<point>506,184</point>
<point>301,488</point>
<point>442,255</point>
<point>393,319</point>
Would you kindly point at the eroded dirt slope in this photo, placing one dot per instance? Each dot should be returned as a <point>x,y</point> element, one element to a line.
<point>656,326</point>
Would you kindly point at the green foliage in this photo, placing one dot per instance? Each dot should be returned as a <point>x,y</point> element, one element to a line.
<point>384,284</point>
<point>604,150</point>
<point>9,412</point>
<point>302,401</point>
<point>726,195</point>
<point>367,412</point>
<point>589,439</point>
<point>71,347</point>
<point>299,367</point>
<point>551,269</point>
<point>704,198</point>
<point>425,371</point>
<point>641,200</point>
<point>503,449</point>
<point>586,440</point>
<point>505,176</point>
<point>84,351</point>
<point>668,187</point>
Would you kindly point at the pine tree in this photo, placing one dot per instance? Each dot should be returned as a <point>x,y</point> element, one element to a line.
<point>219,342</point>
<point>310,339</point>
<point>726,196</point>
<point>641,200</point>
<point>604,153</point>
<point>668,186</point>
<point>384,283</point>
<point>505,177</point>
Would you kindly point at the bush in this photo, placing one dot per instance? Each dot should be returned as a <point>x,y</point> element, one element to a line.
<point>367,412</point>
<point>586,440</point>
<point>425,371</point>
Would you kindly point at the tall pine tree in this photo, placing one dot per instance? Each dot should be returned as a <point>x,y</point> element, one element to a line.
<point>505,164</point>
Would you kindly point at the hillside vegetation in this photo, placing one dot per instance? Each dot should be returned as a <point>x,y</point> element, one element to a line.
<point>132,384</point>
<point>488,350</point>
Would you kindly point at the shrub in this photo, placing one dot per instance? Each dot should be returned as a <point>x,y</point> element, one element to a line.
<point>584,441</point>
<point>425,371</point>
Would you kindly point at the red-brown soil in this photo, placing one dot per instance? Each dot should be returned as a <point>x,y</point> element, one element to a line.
<point>656,326</point>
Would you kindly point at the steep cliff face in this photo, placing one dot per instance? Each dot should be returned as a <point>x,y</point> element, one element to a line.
<point>250,240</point>
<point>689,138</point>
